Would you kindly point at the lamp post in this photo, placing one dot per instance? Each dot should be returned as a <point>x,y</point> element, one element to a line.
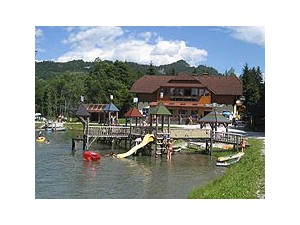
<point>214,105</point>
<point>110,119</point>
<point>161,95</point>
<point>135,101</point>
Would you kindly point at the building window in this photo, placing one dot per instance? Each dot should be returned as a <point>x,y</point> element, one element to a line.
<point>187,92</point>
<point>206,92</point>
<point>201,92</point>
<point>194,91</point>
<point>182,112</point>
<point>166,91</point>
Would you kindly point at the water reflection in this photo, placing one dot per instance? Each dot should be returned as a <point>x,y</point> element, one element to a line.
<point>61,175</point>
<point>90,170</point>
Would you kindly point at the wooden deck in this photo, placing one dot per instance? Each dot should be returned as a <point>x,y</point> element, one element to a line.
<point>190,133</point>
<point>108,131</point>
<point>117,131</point>
<point>95,132</point>
<point>227,138</point>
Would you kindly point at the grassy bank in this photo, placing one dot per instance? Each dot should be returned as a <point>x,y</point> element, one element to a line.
<point>240,181</point>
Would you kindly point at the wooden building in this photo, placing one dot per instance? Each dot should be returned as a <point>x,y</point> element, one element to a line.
<point>96,111</point>
<point>188,95</point>
<point>101,113</point>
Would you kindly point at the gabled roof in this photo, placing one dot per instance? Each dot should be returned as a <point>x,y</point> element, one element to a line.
<point>110,107</point>
<point>214,117</point>
<point>133,112</point>
<point>183,78</point>
<point>81,111</point>
<point>160,109</point>
<point>94,107</point>
<point>219,85</point>
<point>222,85</point>
<point>149,84</point>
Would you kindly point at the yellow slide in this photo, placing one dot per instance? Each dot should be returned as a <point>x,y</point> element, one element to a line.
<point>147,139</point>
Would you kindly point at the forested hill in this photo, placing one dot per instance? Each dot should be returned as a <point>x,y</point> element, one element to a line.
<point>49,69</point>
<point>59,86</point>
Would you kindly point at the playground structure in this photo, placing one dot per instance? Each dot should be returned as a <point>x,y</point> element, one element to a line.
<point>152,135</point>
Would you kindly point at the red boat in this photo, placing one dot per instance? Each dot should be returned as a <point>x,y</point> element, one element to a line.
<point>91,156</point>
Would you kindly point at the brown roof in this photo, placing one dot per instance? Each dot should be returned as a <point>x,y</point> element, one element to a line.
<point>133,112</point>
<point>219,85</point>
<point>222,85</point>
<point>149,84</point>
<point>94,107</point>
<point>183,77</point>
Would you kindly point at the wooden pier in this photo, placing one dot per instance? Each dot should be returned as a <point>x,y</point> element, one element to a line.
<point>227,138</point>
<point>160,132</point>
<point>92,133</point>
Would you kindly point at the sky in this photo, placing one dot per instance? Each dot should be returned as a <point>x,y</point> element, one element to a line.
<point>219,47</point>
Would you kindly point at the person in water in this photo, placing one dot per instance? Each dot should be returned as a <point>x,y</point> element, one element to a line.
<point>170,149</point>
<point>39,135</point>
<point>47,141</point>
<point>112,154</point>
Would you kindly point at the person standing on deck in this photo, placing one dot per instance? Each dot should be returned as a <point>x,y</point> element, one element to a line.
<point>243,144</point>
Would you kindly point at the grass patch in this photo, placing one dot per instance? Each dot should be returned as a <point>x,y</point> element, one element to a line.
<point>240,181</point>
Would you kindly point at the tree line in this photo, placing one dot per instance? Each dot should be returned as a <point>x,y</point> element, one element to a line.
<point>59,86</point>
<point>61,94</point>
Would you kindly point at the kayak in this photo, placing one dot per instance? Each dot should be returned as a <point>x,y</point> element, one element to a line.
<point>55,128</point>
<point>91,156</point>
<point>233,156</point>
<point>40,139</point>
<point>228,163</point>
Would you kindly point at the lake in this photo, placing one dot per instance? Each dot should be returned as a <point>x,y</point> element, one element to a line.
<point>60,175</point>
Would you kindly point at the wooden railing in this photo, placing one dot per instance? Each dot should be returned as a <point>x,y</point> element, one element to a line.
<point>189,133</point>
<point>141,130</point>
<point>229,138</point>
<point>109,131</point>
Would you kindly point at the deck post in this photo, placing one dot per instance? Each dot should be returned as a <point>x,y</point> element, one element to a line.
<point>211,142</point>
<point>87,133</point>
<point>73,147</point>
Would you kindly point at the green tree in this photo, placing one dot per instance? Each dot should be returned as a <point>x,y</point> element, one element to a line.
<point>230,72</point>
<point>252,84</point>
<point>150,70</point>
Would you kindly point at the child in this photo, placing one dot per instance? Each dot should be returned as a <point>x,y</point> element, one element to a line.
<point>170,149</point>
<point>243,144</point>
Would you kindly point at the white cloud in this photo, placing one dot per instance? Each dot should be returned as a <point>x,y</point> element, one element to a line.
<point>112,43</point>
<point>254,35</point>
<point>38,33</point>
<point>38,36</point>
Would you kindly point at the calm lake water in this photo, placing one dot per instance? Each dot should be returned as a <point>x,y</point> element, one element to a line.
<point>59,175</point>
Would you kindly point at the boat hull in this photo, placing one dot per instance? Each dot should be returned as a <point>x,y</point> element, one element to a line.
<point>233,156</point>
<point>91,156</point>
<point>55,128</point>
<point>228,163</point>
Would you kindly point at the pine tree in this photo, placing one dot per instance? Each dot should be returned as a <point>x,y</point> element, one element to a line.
<point>251,79</point>
<point>150,70</point>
